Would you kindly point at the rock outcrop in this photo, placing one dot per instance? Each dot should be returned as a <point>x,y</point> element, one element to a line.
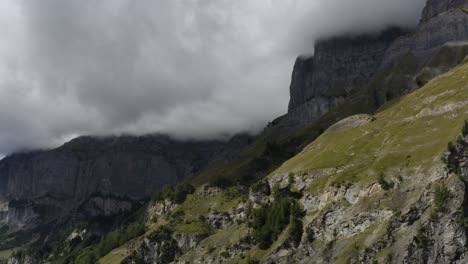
<point>101,176</point>
<point>394,62</point>
<point>436,7</point>
<point>339,66</point>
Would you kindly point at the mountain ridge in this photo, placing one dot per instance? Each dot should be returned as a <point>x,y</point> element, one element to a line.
<point>334,197</point>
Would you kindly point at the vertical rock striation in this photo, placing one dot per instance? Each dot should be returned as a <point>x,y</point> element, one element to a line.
<point>436,7</point>
<point>340,65</point>
<point>102,175</point>
<point>397,62</point>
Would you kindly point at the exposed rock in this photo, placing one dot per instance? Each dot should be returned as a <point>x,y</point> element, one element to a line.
<point>106,205</point>
<point>210,191</point>
<point>163,249</point>
<point>219,220</point>
<point>156,209</point>
<point>342,65</point>
<point>188,241</point>
<point>352,122</point>
<point>322,82</point>
<point>436,7</point>
<point>153,251</point>
<point>260,193</point>
<point>87,171</point>
<point>19,215</point>
<point>76,237</point>
<point>25,260</point>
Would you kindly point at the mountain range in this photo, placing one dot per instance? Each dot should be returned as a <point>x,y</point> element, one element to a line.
<point>369,165</point>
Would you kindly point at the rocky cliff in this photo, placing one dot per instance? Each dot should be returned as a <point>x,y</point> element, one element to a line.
<point>372,189</point>
<point>393,62</point>
<point>436,7</point>
<point>101,175</point>
<point>339,66</point>
<point>381,187</point>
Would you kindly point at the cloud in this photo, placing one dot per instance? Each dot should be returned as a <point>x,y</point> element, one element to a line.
<point>190,68</point>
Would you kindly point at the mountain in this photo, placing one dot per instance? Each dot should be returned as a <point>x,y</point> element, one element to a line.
<point>92,176</point>
<point>394,62</point>
<point>323,81</point>
<point>384,188</point>
<point>369,165</point>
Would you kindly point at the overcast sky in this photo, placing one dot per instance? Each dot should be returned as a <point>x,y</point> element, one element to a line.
<point>190,68</point>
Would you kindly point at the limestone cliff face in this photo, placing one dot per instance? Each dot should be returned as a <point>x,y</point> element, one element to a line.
<point>398,62</point>
<point>436,7</point>
<point>339,66</point>
<point>103,175</point>
<point>448,27</point>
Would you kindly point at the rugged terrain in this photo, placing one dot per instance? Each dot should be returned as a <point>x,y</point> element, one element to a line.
<point>100,176</point>
<point>369,165</point>
<point>387,188</point>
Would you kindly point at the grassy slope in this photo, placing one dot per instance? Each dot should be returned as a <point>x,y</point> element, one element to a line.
<point>393,140</point>
<point>410,133</point>
<point>6,254</point>
<point>385,86</point>
<point>372,149</point>
<point>194,206</point>
<point>115,256</point>
<point>413,130</point>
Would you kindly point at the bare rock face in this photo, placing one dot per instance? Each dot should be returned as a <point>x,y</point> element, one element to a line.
<point>395,61</point>
<point>448,27</point>
<point>321,82</point>
<point>101,175</point>
<point>436,7</point>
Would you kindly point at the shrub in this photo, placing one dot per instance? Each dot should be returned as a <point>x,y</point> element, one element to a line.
<point>222,182</point>
<point>271,219</point>
<point>385,185</point>
<point>181,192</point>
<point>154,219</point>
<point>119,237</point>
<point>251,261</point>
<point>178,194</point>
<point>421,239</point>
<point>233,192</point>
<point>451,147</point>
<point>166,193</point>
<point>168,246</point>
<point>290,179</point>
<point>87,256</point>
<point>296,227</point>
<point>441,195</point>
<point>465,129</point>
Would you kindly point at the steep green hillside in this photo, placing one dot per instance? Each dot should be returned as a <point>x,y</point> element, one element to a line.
<point>412,130</point>
<point>371,189</point>
<point>279,142</point>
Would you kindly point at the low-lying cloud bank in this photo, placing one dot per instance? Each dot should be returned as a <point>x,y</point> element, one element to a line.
<point>197,68</point>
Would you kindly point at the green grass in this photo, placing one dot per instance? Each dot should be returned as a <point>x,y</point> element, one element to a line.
<point>382,89</point>
<point>384,254</point>
<point>195,206</point>
<point>397,139</point>
<point>215,244</point>
<point>6,254</point>
<point>394,139</point>
<point>259,254</point>
<point>115,256</point>
<point>193,227</point>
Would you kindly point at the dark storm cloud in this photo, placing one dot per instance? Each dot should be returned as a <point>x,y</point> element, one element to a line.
<point>191,68</point>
